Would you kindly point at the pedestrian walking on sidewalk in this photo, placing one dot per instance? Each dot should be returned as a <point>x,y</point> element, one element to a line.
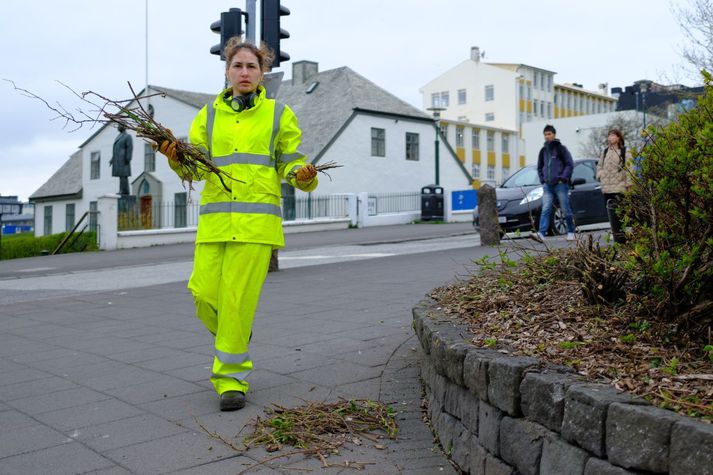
<point>554,166</point>
<point>256,140</point>
<point>615,177</point>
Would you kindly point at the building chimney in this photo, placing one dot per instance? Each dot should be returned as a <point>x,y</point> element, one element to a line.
<point>475,53</point>
<point>303,70</point>
<point>603,88</point>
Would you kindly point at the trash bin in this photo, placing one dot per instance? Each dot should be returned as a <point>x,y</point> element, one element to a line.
<point>431,203</point>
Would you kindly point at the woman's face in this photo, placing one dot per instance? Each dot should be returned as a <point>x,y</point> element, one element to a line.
<point>244,72</point>
<point>613,139</point>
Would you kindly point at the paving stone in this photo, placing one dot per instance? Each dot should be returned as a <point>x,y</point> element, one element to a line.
<point>88,414</point>
<point>11,419</point>
<point>28,438</point>
<point>185,450</point>
<point>124,432</point>
<point>47,402</point>
<point>35,387</point>
<point>70,459</point>
<point>627,446</point>
<point>495,466</point>
<point>691,448</point>
<point>337,374</point>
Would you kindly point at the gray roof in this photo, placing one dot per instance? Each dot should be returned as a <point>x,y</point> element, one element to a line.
<point>195,99</point>
<point>66,182</point>
<point>323,112</point>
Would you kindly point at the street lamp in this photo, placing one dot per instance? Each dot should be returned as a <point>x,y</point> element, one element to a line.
<point>436,116</point>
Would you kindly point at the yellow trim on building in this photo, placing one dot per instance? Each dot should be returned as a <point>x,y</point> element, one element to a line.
<point>460,153</point>
<point>522,161</point>
<point>522,105</point>
<point>529,107</point>
<point>491,159</point>
<point>476,183</point>
<point>476,156</point>
<point>506,160</point>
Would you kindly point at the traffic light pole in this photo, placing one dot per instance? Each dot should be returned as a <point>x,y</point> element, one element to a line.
<point>250,23</point>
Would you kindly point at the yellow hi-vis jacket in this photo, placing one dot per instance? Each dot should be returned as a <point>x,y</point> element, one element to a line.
<point>257,146</point>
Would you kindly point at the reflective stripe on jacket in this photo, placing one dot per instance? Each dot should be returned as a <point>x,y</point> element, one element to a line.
<point>258,146</point>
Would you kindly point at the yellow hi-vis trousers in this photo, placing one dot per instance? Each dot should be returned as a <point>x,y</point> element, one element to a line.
<point>226,283</point>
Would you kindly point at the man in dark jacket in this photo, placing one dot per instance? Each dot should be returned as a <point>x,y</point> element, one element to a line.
<point>554,165</point>
<point>121,159</point>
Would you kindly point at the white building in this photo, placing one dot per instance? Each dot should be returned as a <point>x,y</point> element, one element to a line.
<point>383,144</point>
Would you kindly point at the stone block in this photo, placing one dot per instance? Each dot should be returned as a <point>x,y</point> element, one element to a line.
<point>461,448</point>
<point>504,378</point>
<point>585,414</point>
<point>454,357</point>
<point>560,457</point>
<point>460,403</point>
<point>475,371</point>
<point>495,466</point>
<point>438,387</point>
<point>477,455</point>
<point>639,436</point>
<point>441,339</point>
<point>597,466</point>
<point>542,397</point>
<point>427,369</point>
<point>489,418</point>
<point>448,430</point>
<point>521,444</point>
<point>691,448</point>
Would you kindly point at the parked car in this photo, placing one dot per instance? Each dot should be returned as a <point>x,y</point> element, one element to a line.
<point>519,200</point>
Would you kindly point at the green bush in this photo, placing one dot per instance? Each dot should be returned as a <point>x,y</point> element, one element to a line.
<point>27,245</point>
<point>670,210</point>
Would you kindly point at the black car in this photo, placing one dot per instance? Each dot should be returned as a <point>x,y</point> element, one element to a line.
<point>519,200</point>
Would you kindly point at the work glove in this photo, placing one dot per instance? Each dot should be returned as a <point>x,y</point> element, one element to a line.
<point>168,148</point>
<point>306,173</point>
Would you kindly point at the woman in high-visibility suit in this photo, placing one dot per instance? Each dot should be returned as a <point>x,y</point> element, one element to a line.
<point>254,139</point>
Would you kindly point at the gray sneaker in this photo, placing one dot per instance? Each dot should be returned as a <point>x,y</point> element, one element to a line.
<point>232,400</point>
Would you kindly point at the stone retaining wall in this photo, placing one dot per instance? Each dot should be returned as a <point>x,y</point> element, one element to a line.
<point>505,415</point>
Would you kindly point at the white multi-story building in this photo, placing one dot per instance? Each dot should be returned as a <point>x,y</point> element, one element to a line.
<point>497,99</point>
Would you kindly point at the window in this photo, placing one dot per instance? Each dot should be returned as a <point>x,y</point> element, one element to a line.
<point>48,220</point>
<point>549,82</point>
<point>506,143</point>
<point>534,107</point>
<point>542,108</point>
<point>556,98</point>
<point>179,210</point>
<point>549,110</point>
<point>506,172</point>
<point>461,96</point>
<point>491,141</point>
<point>475,138</point>
<point>149,158</point>
<point>476,170</point>
<point>584,170</point>
<point>436,99</point>
<point>491,172</point>
<point>490,92</point>
<point>92,215</point>
<point>489,116</point>
<point>522,91</point>
<point>94,167</point>
<point>459,136</point>
<point>378,142</point>
<point>444,99</point>
<point>523,117</point>
<point>535,79</point>
<point>411,146</point>
<point>529,92</point>
<point>69,217</point>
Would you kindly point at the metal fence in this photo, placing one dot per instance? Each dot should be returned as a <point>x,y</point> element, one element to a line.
<point>382,203</point>
<point>136,215</point>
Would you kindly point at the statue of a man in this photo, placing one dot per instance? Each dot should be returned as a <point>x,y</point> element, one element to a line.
<point>121,159</point>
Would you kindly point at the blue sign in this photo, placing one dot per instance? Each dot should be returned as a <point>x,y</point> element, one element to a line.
<point>464,200</point>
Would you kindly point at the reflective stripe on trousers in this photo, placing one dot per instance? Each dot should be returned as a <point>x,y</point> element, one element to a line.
<point>226,282</point>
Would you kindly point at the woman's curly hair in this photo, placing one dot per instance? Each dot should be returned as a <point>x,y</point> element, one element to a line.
<point>264,54</point>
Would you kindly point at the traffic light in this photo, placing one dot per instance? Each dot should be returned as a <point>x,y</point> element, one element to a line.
<point>270,31</point>
<point>229,25</point>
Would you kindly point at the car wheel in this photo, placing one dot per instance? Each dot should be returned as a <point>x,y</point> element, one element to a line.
<point>558,225</point>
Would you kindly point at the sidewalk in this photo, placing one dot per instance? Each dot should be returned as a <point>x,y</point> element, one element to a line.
<point>116,382</point>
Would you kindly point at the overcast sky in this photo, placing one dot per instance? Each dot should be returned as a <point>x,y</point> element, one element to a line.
<point>398,44</point>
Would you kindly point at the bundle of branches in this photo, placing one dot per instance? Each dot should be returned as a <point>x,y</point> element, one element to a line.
<point>319,429</point>
<point>130,114</point>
